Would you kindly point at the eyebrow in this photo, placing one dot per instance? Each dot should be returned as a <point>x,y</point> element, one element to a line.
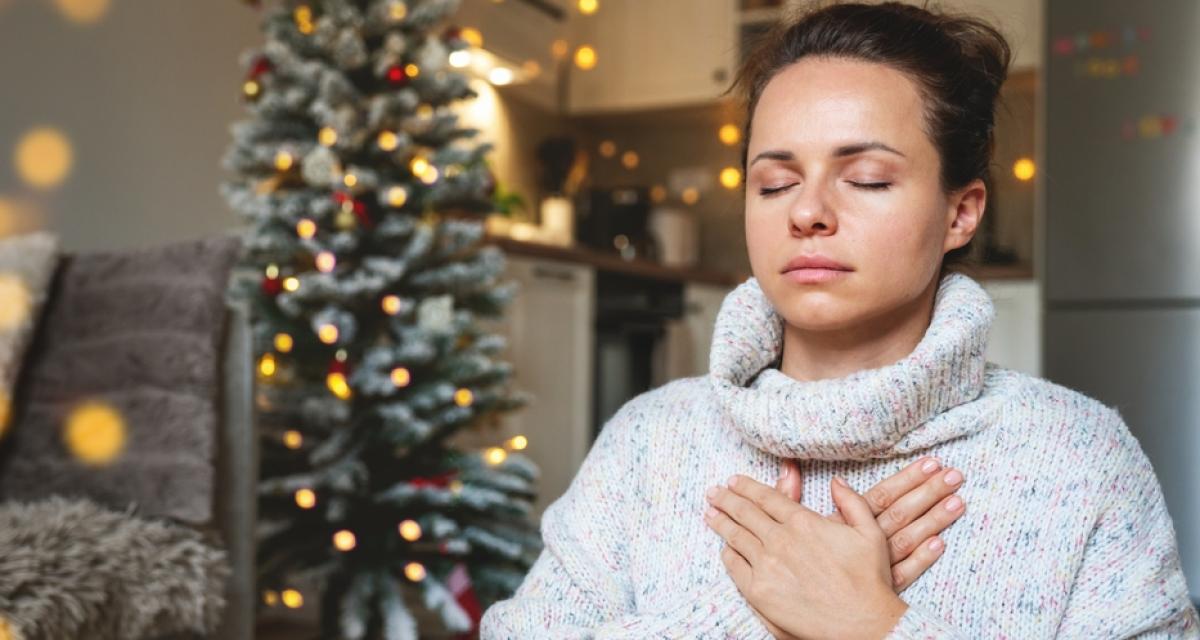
<point>840,152</point>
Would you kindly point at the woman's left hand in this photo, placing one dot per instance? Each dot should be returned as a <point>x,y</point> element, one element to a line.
<point>806,575</point>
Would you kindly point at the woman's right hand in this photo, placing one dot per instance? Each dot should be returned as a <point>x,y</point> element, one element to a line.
<point>912,507</point>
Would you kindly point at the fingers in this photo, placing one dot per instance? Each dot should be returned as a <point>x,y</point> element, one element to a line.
<point>738,538</point>
<point>912,505</point>
<point>906,572</point>
<point>773,503</point>
<point>790,481</point>
<point>929,525</point>
<point>854,508</point>
<point>882,495</point>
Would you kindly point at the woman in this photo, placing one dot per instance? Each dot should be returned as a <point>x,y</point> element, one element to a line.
<point>853,353</point>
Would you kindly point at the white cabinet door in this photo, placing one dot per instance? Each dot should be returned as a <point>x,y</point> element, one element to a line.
<point>549,326</point>
<point>1016,338</point>
<point>653,54</point>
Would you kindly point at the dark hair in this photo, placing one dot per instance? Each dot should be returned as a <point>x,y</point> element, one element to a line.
<point>959,63</point>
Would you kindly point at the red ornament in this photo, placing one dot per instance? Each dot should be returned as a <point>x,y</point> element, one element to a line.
<point>459,583</point>
<point>439,480</point>
<point>397,75</point>
<point>358,207</point>
<point>452,33</point>
<point>339,366</point>
<point>271,286</point>
<point>261,65</point>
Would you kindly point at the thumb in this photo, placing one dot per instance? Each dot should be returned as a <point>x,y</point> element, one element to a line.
<point>790,482</point>
<point>853,507</point>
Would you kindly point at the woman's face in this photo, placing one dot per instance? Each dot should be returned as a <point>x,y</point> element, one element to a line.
<point>850,175</point>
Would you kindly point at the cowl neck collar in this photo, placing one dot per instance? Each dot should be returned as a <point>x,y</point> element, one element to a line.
<point>872,413</point>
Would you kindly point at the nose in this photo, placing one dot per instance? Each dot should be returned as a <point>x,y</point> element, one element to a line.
<point>811,213</point>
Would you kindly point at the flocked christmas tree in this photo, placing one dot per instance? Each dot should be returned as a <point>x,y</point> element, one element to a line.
<point>364,202</point>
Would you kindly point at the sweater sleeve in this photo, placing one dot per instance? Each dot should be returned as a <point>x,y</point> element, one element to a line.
<point>581,587</point>
<point>1130,582</point>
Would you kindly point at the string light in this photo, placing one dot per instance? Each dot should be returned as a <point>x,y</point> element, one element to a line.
<point>398,10</point>
<point>495,455</point>
<point>459,59</point>
<point>658,193</point>
<point>401,377</point>
<point>463,397</point>
<point>397,196</point>
<point>690,195</point>
<point>424,111</point>
<point>412,70</point>
<point>250,88</point>
<point>270,598</point>
<point>391,304</point>
<point>336,381</point>
<point>585,57</point>
<point>344,540</point>
<point>327,333</point>
<point>388,140</point>
<point>414,571</point>
<point>306,499</point>
<point>350,179</point>
<point>430,176</point>
<point>283,161</point>
<point>1024,169</point>
<point>306,228</point>
<point>283,342</point>
<point>272,271</point>
<point>418,166</point>
<point>410,530</point>
<point>731,177</point>
<point>326,261</point>
<point>292,599</point>
<point>303,17</point>
<point>266,365</point>
<point>327,136</point>
<point>608,149</point>
<point>472,36</point>
<point>729,134</point>
<point>291,283</point>
<point>292,439</point>
<point>518,443</point>
<point>630,160</point>
<point>588,7</point>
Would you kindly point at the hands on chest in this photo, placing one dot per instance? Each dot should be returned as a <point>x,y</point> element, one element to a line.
<point>836,576</point>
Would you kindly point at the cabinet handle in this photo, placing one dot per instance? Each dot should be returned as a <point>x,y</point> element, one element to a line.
<point>553,274</point>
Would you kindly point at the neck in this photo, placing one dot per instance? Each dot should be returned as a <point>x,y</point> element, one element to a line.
<point>881,341</point>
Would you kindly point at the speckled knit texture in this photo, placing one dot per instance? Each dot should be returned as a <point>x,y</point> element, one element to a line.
<point>1065,533</point>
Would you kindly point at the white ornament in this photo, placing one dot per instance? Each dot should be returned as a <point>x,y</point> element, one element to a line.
<point>321,167</point>
<point>432,56</point>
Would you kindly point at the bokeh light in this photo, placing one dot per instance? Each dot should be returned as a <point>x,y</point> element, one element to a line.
<point>15,302</point>
<point>1024,169</point>
<point>410,530</point>
<point>43,157</point>
<point>585,57</point>
<point>729,134</point>
<point>292,599</point>
<point>95,433</point>
<point>82,11</point>
<point>414,571</point>
<point>731,177</point>
<point>344,540</point>
<point>306,499</point>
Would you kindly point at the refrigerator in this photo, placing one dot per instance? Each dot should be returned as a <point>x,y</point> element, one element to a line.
<point>1120,228</point>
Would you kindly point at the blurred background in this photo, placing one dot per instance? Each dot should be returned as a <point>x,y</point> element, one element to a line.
<point>617,164</point>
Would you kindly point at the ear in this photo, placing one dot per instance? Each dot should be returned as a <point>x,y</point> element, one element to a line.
<point>964,213</point>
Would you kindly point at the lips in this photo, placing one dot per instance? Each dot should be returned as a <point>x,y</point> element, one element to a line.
<point>814,262</point>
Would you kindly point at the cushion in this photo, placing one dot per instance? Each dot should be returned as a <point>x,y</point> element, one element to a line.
<point>118,400</point>
<point>26,264</point>
<point>74,569</point>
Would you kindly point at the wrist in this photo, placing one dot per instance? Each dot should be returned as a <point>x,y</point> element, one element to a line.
<point>889,614</point>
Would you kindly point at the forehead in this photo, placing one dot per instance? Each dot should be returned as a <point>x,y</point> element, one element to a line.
<point>828,101</point>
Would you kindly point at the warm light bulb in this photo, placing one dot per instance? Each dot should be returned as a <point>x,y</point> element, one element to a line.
<point>412,70</point>
<point>472,36</point>
<point>283,342</point>
<point>391,304</point>
<point>518,443</point>
<point>43,157</point>
<point>291,283</point>
<point>500,76</point>
<point>270,598</point>
<point>1024,169</point>
<point>292,599</point>
<point>397,196</point>
<point>326,261</point>
<point>303,17</point>
<point>559,49</point>
<point>283,161</point>
<point>327,136</point>
<point>585,57</point>
<point>729,134</point>
<point>588,7</point>
<point>398,10</point>
<point>731,177</point>
<point>266,365</point>
<point>388,140</point>
<point>292,439</point>
<point>250,88</point>
<point>430,176</point>
<point>608,149</point>
<point>306,499</point>
<point>337,384</point>
<point>460,58</point>
<point>658,193</point>
<point>328,333</point>
<point>463,397</point>
<point>630,160</point>
<point>350,179</point>
<point>344,540</point>
<point>418,166</point>
<point>410,530</point>
<point>495,455</point>
<point>401,377</point>
<point>272,271</point>
<point>414,571</point>
<point>306,228</point>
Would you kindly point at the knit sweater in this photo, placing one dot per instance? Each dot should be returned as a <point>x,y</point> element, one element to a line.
<point>1065,534</point>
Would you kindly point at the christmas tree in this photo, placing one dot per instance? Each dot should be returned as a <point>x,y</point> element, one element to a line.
<point>364,206</point>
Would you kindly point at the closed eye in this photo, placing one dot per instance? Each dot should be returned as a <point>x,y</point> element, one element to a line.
<point>767,191</point>
<point>874,186</point>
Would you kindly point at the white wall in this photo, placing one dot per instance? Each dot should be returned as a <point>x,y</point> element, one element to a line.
<point>145,96</point>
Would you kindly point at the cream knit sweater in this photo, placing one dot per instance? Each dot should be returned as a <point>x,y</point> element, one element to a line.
<point>1065,533</point>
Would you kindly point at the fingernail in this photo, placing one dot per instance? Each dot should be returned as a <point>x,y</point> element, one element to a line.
<point>935,544</point>
<point>953,503</point>
<point>839,480</point>
<point>787,470</point>
<point>930,466</point>
<point>732,480</point>
<point>954,477</point>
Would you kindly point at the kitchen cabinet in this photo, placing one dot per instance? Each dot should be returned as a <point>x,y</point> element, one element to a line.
<point>1015,341</point>
<point>684,352</point>
<point>653,54</point>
